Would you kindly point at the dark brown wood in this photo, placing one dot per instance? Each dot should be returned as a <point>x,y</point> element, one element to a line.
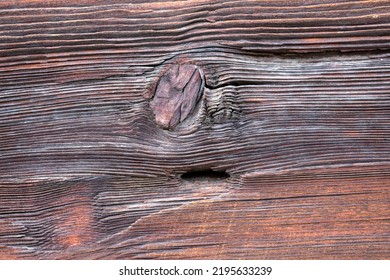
<point>289,103</point>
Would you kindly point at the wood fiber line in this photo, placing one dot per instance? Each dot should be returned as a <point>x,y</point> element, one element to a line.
<point>295,108</point>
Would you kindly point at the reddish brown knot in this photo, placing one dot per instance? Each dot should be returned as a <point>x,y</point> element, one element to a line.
<point>177,93</point>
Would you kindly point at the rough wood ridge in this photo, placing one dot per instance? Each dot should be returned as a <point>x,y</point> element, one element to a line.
<point>295,109</point>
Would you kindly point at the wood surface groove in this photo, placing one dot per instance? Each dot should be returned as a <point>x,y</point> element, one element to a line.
<point>295,112</point>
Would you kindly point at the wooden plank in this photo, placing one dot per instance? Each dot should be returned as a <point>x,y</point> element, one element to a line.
<point>295,109</point>
<point>42,28</point>
<point>260,113</point>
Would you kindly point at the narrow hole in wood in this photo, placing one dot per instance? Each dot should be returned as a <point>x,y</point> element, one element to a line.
<point>205,175</point>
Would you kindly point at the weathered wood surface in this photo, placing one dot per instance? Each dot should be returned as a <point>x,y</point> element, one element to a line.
<point>296,109</point>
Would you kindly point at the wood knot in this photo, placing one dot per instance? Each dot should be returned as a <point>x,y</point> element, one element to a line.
<point>178,92</point>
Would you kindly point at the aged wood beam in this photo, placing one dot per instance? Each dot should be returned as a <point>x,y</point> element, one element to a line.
<point>194,129</point>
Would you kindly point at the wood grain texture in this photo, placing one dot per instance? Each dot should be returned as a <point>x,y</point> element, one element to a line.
<point>296,109</point>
